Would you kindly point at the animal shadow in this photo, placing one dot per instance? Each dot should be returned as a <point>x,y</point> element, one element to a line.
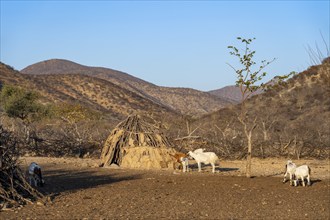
<point>227,169</point>
<point>315,181</point>
<point>194,166</point>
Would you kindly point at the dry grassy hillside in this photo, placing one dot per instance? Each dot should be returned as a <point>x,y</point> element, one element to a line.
<point>186,101</point>
<point>9,75</point>
<point>98,94</point>
<point>91,92</point>
<point>293,119</point>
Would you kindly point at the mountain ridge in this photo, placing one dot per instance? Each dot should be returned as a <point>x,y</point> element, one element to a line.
<point>92,92</point>
<point>184,100</point>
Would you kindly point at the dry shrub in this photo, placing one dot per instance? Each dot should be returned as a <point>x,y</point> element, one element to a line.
<point>14,189</point>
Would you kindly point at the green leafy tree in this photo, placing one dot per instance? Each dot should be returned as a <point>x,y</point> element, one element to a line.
<point>248,77</point>
<point>19,103</point>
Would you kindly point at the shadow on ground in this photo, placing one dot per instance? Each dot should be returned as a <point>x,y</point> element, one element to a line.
<point>315,181</point>
<point>59,181</point>
<point>227,169</point>
<point>194,167</point>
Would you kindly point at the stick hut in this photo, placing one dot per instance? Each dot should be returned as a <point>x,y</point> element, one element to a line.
<point>136,143</point>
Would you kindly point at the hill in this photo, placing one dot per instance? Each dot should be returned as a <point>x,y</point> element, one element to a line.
<point>183,100</point>
<point>92,92</point>
<point>9,75</point>
<point>231,93</point>
<point>293,119</point>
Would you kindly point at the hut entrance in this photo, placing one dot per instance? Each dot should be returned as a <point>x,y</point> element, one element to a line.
<point>116,156</point>
<point>136,143</point>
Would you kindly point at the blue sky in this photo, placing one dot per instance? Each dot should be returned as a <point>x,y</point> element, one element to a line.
<point>168,43</point>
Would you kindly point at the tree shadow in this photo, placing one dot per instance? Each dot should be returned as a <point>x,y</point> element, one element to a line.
<point>59,181</point>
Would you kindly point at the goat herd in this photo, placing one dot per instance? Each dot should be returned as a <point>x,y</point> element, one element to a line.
<point>295,173</point>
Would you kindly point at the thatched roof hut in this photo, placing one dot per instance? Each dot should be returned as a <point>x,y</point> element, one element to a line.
<point>135,143</point>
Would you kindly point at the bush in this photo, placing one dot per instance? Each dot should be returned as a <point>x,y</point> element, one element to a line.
<point>19,103</point>
<point>14,189</point>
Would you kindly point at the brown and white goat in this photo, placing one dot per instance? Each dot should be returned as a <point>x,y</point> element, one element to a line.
<point>183,160</point>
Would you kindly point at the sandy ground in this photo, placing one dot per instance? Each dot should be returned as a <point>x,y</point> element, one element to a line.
<point>79,189</point>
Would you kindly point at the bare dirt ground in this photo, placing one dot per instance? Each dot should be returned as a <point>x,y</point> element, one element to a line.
<point>78,189</point>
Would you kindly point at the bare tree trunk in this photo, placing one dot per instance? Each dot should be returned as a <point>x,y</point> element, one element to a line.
<point>264,131</point>
<point>248,134</point>
<point>249,158</point>
<point>188,127</point>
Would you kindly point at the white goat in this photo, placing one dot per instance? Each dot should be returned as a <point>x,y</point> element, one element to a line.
<point>199,150</point>
<point>302,172</point>
<point>204,157</point>
<point>290,169</point>
<point>185,164</point>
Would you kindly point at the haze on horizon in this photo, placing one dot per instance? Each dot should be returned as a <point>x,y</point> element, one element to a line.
<point>176,43</point>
